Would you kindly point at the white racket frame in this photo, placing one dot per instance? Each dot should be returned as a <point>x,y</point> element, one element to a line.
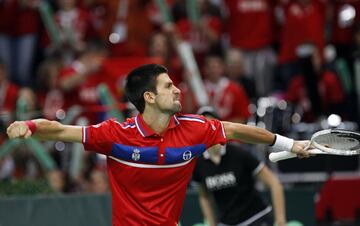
<point>318,148</point>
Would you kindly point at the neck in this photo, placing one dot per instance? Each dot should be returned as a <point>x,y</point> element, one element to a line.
<point>157,121</point>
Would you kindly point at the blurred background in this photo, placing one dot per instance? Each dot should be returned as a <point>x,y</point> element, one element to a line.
<point>290,66</point>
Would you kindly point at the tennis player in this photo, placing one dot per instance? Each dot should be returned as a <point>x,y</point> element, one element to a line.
<point>151,156</point>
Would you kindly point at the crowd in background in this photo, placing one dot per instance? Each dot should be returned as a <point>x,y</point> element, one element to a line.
<point>302,51</point>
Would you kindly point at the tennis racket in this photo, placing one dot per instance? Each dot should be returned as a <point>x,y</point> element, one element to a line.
<point>330,141</point>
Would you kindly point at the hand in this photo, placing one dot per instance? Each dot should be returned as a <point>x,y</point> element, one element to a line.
<point>18,129</point>
<point>299,149</point>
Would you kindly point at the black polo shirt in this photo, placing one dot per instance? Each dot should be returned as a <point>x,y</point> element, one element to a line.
<point>232,183</point>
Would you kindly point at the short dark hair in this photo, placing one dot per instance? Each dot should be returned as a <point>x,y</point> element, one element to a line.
<point>141,80</point>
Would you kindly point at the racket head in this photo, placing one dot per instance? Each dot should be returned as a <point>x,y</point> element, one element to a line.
<point>337,142</point>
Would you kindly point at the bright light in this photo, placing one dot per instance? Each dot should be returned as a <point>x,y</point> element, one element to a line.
<point>60,146</point>
<point>114,38</point>
<point>346,16</point>
<point>60,114</point>
<point>334,120</point>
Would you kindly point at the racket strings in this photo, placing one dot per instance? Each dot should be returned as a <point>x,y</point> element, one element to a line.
<point>343,144</point>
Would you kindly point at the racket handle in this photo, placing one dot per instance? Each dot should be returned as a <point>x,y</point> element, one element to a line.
<point>282,155</point>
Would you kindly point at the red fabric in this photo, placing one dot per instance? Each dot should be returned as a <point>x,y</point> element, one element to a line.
<point>51,101</point>
<point>250,23</point>
<point>142,192</point>
<point>9,101</point>
<point>80,26</point>
<point>198,40</point>
<point>100,16</point>
<point>85,94</point>
<point>17,20</point>
<point>330,90</point>
<point>303,24</point>
<point>341,196</point>
<point>229,99</point>
<point>115,71</point>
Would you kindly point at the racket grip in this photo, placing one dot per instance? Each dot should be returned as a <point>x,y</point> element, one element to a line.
<point>282,155</point>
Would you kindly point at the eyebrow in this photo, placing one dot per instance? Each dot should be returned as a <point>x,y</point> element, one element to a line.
<point>168,83</point>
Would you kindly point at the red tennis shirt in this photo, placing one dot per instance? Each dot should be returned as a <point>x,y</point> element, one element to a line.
<point>148,172</point>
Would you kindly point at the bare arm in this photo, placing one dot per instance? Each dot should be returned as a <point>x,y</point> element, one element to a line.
<point>206,206</point>
<point>256,135</point>
<point>46,130</point>
<point>277,194</point>
<point>248,134</point>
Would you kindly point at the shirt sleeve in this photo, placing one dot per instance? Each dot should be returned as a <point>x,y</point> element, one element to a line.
<point>99,138</point>
<point>214,133</point>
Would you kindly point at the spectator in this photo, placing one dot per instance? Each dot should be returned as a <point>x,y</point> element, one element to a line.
<point>317,91</point>
<point>160,46</point>
<point>133,27</point>
<point>8,96</point>
<point>101,17</point>
<point>236,72</point>
<point>27,104</point>
<point>74,26</point>
<point>343,27</point>
<point>225,95</point>
<point>304,22</point>
<point>51,98</point>
<point>204,35</point>
<point>19,26</point>
<point>250,25</point>
<point>228,173</point>
<point>79,81</point>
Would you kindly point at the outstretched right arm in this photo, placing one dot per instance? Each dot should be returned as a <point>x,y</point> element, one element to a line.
<point>45,130</point>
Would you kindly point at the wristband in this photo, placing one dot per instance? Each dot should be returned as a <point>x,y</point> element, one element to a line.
<point>282,143</point>
<point>31,125</point>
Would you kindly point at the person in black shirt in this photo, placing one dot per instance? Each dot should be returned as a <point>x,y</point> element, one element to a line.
<point>229,173</point>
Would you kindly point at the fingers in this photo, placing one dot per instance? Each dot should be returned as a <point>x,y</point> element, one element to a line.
<point>18,130</point>
<point>300,149</point>
<point>22,130</point>
<point>27,134</point>
<point>11,130</point>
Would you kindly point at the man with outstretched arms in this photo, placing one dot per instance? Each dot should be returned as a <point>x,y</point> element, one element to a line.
<point>151,156</point>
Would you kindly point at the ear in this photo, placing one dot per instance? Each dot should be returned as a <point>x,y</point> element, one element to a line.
<point>149,97</point>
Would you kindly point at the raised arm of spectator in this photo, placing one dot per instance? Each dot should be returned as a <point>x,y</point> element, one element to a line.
<point>45,130</point>
<point>277,194</point>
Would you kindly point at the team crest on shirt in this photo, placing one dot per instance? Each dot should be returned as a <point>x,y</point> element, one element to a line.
<point>136,155</point>
<point>187,155</point>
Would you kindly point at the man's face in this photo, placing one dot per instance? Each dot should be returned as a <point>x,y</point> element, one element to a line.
<point>167,98</point>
